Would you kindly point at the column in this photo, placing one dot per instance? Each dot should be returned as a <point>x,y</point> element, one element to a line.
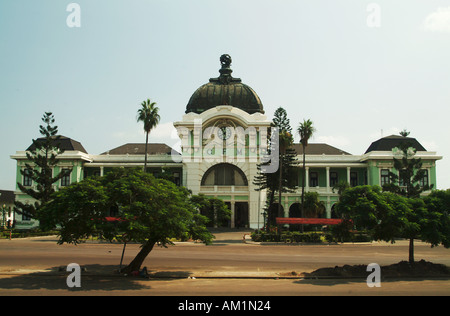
<point>232,219</point>
<point>328,207</point>
<point>286,206</point>
<point>328,179</point>
<point>307,179</point>
<point>348,175</point>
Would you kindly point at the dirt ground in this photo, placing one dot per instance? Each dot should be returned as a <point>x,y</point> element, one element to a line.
<point>403,269</point>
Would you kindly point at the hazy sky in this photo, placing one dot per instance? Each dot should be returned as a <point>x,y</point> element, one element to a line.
<point>321,60</point>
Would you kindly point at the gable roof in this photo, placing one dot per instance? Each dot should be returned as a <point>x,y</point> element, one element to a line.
<point>139,149</point>
<point>390,142</point>
<point>319,149</point>
<point>64,142</point>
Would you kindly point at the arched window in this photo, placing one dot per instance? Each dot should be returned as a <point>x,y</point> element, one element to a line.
<point>224,174</point>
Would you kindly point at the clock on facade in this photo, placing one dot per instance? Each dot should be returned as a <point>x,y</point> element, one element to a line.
<point>224,133</point>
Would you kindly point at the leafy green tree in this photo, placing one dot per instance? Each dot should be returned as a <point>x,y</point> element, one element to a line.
<point>386,215</point>
<point>436,226</point>
<point>151,211</point>
<point>429,221</point>
<point>214,209</point>
<point>383,214</point>
<point>439,200</point>
<point>306,130</point>
<point>80,211</point>
<point>42,158</point>
<point>340,187</point>
<point>148,114</point>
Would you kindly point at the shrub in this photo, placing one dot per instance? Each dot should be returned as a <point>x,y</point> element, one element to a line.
<point>308,237</point>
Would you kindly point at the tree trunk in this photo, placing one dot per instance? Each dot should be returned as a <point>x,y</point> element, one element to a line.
<point>270,210</point>
<point>303,182</point>
<point>280,187</point>
<point>302,208</point>
<point>146,144</point>
<point>135,265</point>
<point>411,250</point>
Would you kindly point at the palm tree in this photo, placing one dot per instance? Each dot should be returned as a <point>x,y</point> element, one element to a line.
<point>313,206</point>
<point>306,130</point>
<point>148,114</point>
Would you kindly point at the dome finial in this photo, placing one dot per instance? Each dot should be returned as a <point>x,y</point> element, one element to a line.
<point>225,60</point>
<point>225,90</point>
<point>225,71</point>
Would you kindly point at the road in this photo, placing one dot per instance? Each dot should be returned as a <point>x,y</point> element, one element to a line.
<point>36,266</point>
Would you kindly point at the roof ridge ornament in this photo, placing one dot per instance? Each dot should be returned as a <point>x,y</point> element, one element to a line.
<point>225,71</point>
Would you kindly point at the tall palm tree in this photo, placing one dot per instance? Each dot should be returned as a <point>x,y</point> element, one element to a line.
<point>148,114</point>
<point>306,131</point>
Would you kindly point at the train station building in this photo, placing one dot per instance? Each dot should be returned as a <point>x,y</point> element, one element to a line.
<point>224,133</point>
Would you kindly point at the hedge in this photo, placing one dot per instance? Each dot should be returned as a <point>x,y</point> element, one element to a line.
<point>25,233</point>
<point>308,237</point>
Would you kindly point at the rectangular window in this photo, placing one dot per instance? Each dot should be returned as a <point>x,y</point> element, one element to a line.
<point>384,176</point>
<point>176,178</point>
<point>27,181</point>
<point>313,179</point>
<point>26,216</point>
<point>402,176</point>
<point>424,182</point>
<point>333,178</point>
<point>353,178</point>
<point>65,180</point>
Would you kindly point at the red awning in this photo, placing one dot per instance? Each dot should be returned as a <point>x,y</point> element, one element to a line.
<point>114,219</point>
<point>313,221</point>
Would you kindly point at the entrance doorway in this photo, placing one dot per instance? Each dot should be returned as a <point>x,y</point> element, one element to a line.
<point>241,218</point>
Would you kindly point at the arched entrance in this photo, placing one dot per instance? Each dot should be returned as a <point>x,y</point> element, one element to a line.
<point>295,211</point>
<point>333,212</point>
<point>229,183</point>
<point>224,174</point>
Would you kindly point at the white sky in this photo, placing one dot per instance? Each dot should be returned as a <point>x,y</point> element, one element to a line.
<point>318,59</point>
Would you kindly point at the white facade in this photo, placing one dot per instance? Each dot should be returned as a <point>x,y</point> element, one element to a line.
<point>204,146</point>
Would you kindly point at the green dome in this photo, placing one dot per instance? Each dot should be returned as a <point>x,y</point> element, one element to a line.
<point>225,90</point>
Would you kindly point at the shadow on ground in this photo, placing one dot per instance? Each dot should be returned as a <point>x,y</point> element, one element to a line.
<point>93,277</point>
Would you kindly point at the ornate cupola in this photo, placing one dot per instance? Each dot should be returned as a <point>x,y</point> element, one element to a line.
<point>225,90</point>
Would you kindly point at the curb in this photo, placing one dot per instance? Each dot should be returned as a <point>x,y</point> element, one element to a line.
<point>213,275</point>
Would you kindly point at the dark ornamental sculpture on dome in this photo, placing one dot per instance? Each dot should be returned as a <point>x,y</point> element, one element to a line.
<point>225,60</point>
<point>225,71</point>
<point>225,90</point>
